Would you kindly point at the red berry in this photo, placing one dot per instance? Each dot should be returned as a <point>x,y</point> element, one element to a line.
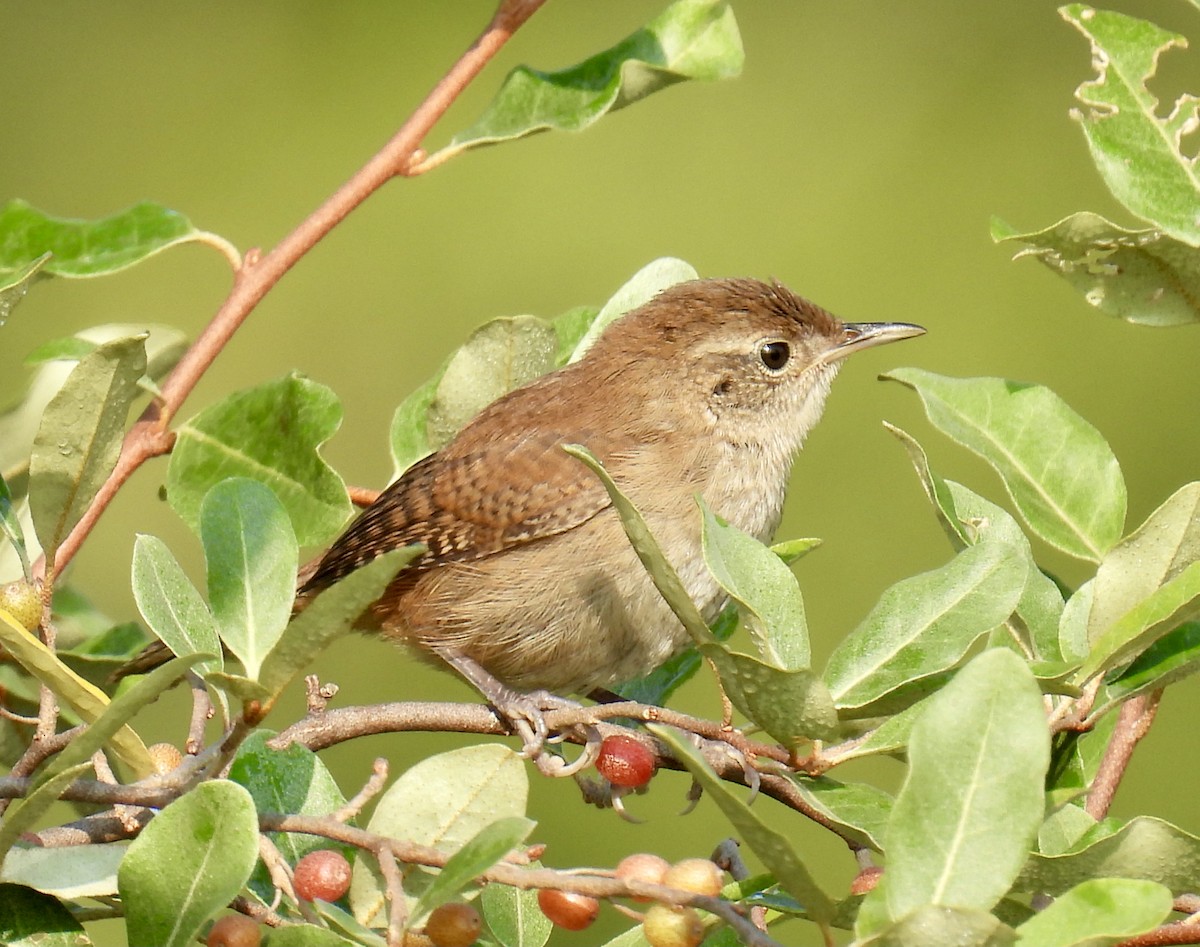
<point>666,926</point>
<point>323,874</point>
<point>642,866</point>
<point>866,880</point>
<point>625,761</point>
<point>698,875</point>
<point>566,909</point>
<point>453,925</point>
<point>234,930</point>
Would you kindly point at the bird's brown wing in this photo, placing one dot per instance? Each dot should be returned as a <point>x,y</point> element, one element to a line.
<point>464,505</point>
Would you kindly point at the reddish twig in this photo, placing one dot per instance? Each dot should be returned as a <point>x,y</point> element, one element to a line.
<point>260,272</point>
<point>1136,716</point>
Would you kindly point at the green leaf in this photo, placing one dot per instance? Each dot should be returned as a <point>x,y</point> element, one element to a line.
<point>443,801</point>
<point>79,438</point>
<point>1173,657</point>
<point>571,327</point>
<point>922,627</point>
<point>691,39</point>
<point>789,550</point>
<point>792,706</point>
<point>657,686</point>
<point>1155,553</point>
<point>1139,155</point>
<point>774,849</point>
<point>514,917</point>
<point>489,845</point>
<point>1145,848</point>
<point>78,871</point>
<point>1141,276</point>
<point>15,283</point>
<point>291,781</point>
<point>83,248</point>
<point>499,356</point>
<point>1059,471</point>
<point>72,348</point>
<point>1161,612</point>
<point>331,615</point>
<point>189,862</point>
<point>935,925</point>
<point>661,572</point>
<point>860,809</point>
<point>10,527</point>
<point>1098,913</point>
<point>309,935</point>
<point>1063,828</point>
<point>639,289</point>
<point>763,587</point>
<point>272,434</point>
<point>19,423</point>
<point>32,919</point>
<point>171,605</point>
<point>969,810</point>
<point>252,558</point>
<point>890,736</point>
<point>87,700</point>
<point>73,761</point>
<point>970,519</point>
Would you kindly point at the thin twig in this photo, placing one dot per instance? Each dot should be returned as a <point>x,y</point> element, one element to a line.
<point>1133,723</point>
<point>258,273</point>
<point>397,907</point>
<point>372,788</point>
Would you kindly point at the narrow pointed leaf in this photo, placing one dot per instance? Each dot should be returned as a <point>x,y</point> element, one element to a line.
<point>252,556</point>
<point>691,39</point>
<point>488,846</point>
<point>1141,276</point>
<point>190,861</point>
<point>1098,913</point>
<point>1140,155</point>
<point>661,572</point>
<point>111,727</point>
<point>273,434</point>
<point>79,438</point>
<point>969,810</point>
<point>765,589</point>
<point>774,849</point>
<point>1156,552</point>
<point>171,605</point>
<point>87,700</point>
<point>922,627</point>
<point>331,615</point>
<point>1059,471</point>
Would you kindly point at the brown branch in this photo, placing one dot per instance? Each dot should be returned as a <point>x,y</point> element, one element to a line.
<point>1181,932</point>
<point>1133,723</point>
<point>259,273</point>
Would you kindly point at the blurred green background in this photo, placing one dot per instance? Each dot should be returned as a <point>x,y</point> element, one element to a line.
<point>858,160</point>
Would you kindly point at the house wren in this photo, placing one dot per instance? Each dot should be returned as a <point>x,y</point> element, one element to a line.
<point>708,389</point>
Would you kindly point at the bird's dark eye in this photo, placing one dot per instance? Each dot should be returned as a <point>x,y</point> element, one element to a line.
<point>775,355</point>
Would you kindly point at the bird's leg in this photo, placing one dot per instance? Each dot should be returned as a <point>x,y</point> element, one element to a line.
<point>523,711</point>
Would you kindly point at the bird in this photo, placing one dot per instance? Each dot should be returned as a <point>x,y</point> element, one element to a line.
<point>527,580</point>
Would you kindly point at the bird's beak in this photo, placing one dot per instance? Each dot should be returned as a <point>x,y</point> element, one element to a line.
<point>861,335</point>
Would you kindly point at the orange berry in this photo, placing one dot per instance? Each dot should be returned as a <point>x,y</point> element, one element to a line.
<point>575,912</point>
<point>698,875</point>
<point>323,874</point>
<point>453,925</point>
<point>667,926</point>
<point>234,930</point>
<point>642,866</point>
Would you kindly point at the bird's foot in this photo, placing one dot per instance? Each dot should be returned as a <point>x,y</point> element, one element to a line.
<point>525,715</point>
